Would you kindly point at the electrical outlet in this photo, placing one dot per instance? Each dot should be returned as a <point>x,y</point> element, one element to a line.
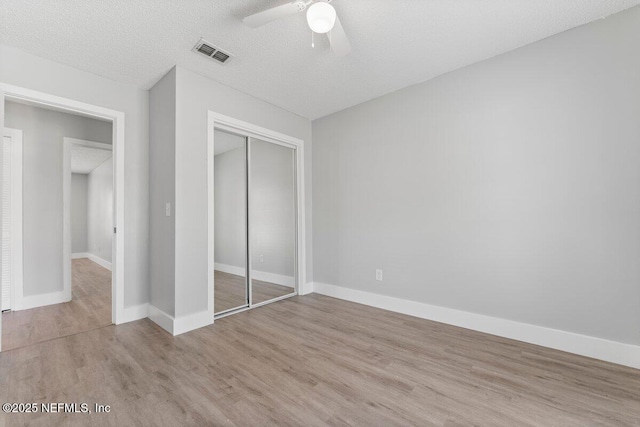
<point>261,258</point>
<point>167,209</point>
<point>379,275</point>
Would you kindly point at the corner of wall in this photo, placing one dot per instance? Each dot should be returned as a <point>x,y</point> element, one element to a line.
<point>162,141</point>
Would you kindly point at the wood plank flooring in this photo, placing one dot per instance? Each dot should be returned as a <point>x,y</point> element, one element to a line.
<point>315,361</point>
<point>231,291</point>
<point>264,291</point>
<point>89,308</point>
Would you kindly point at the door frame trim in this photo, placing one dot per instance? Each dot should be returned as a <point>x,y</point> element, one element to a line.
<point>16,216</point>
<point>117,118</point>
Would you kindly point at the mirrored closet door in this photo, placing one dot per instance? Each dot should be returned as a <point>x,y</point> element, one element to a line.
<point>272,220</point>
<point>255,220</point>
<point>230,218</point>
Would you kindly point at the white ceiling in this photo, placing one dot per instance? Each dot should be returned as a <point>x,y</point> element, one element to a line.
<point>395,43</point>
<point>86,159</point>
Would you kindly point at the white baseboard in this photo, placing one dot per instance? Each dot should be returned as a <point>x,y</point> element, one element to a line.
<point>101,262</point>
<point>95,258</point>
<point>33,301</point>
<point>597,348</point>
<point>188,323</point>
<point>136,312</point>
<point>162,319</point>
<point>78,255</point>
<point>230,269</point>
<point>180,325</point>
<point>278,279</point>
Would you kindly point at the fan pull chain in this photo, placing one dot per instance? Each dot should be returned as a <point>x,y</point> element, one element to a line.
<point>312,43</point>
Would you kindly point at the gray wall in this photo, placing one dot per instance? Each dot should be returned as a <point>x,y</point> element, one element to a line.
<point>43,132</point>
<point>508,188</point>
<point>100,210</point>
<point>196,95</point>
<point>79,183</point>
<point>29,71</point>
<point>162,134</point>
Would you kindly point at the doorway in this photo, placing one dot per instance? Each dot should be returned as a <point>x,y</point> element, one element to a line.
<point>255,216</point>
<point>32,302</point>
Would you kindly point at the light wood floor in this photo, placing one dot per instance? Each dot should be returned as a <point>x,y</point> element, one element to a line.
<point>89,308</point>
<point>231,291</point>
<point>315,361</point>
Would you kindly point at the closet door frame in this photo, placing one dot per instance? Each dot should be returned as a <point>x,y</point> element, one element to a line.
<point>230,124</point>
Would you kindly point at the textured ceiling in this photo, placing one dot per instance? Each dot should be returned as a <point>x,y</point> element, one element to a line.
<point>86,159</point>
<point>395,43</point>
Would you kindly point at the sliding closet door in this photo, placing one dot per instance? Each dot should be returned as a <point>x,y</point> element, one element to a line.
<point>272,220</point>
<point>231,290</point>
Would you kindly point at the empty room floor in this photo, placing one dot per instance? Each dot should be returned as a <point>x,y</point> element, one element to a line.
<point>89,308</point>
<point>314,360</point>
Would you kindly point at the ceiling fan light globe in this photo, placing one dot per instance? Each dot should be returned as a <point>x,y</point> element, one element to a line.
<point>321,17</point>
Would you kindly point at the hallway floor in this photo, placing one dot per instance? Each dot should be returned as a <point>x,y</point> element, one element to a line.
<point>89,308</point>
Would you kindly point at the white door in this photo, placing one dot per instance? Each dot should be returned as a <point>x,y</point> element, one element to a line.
<point>11,217</point>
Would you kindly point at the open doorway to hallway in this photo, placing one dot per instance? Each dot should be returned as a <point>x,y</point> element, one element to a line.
<point>66,233</point>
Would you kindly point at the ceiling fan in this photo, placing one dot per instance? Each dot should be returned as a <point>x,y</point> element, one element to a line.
<point>321,17</point>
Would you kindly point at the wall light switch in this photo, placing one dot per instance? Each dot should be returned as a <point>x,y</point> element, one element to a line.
<point>167,209</point>
<point>379,275</point>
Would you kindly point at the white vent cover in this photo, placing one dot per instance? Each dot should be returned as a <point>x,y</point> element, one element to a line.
<point>205,48</point>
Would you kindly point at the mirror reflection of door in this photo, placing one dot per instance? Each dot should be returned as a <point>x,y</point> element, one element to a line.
<point>272,220</point>
<point>230,218</point>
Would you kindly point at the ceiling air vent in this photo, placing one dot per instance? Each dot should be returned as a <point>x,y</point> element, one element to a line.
<point>205,48</point>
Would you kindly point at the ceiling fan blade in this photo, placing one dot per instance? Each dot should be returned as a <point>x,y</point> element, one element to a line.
<point>339,41</point>
<point>259,19</point>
